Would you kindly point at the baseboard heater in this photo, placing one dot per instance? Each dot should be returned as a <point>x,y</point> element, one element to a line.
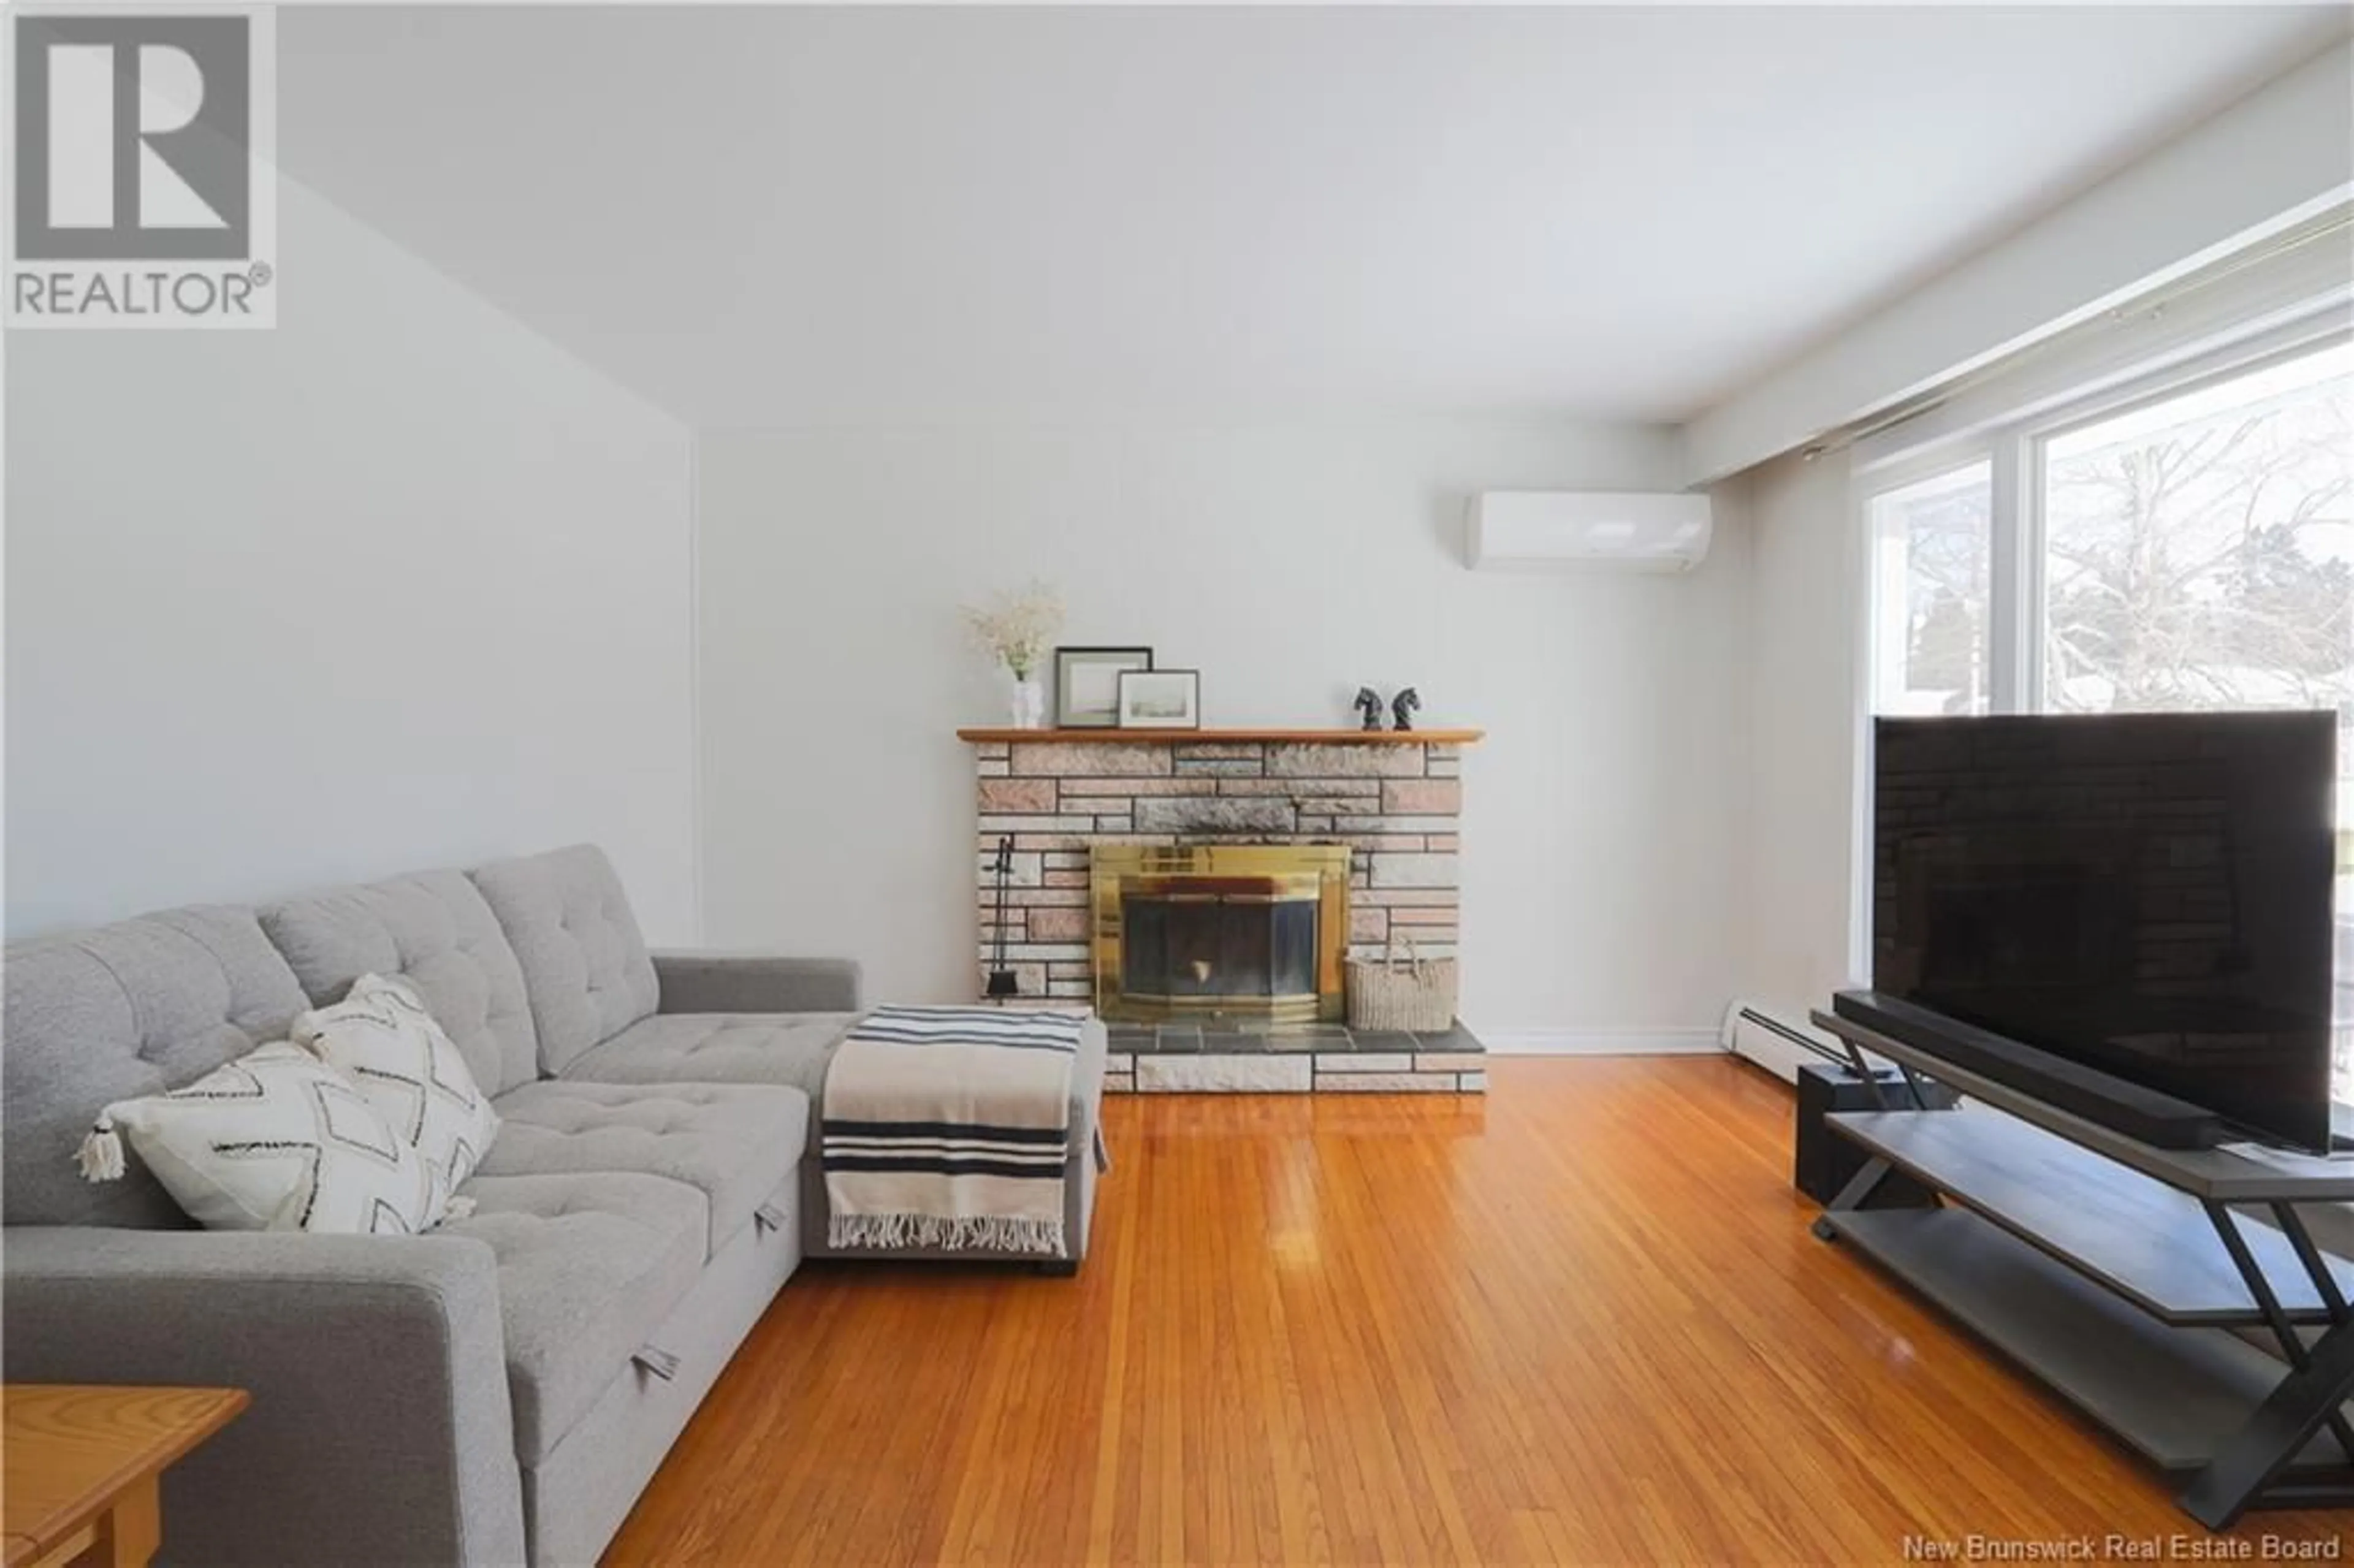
<point>1774,1042</point>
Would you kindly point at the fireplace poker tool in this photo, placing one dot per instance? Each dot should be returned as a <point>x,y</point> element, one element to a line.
<point>1002,981</point>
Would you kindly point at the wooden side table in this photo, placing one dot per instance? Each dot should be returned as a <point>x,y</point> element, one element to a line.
<point>81,1468</point>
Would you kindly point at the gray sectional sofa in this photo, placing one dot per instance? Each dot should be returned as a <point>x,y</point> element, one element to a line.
<point>500,1390</point>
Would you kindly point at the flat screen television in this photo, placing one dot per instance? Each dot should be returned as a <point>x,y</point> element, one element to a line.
<point>2146,895</point>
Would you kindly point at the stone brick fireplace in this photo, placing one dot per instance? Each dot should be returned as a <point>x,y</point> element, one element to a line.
<point>1097,817</point>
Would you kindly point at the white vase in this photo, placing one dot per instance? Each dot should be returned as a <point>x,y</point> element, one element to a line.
<point>1029,704</point>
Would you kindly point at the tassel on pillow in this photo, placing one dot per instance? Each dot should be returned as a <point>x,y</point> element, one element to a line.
<point>99,1158</point>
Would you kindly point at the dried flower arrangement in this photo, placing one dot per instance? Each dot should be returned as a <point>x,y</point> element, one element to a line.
<point>1018,630</point>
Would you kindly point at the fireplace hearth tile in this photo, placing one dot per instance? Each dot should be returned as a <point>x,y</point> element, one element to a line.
<point>1259,1074</point>
<point>1361,1062</point>
<point>1216,1034</point>
<point>1457,1039</point>
<point>1327,1056</point>
<point>1380,1083</point>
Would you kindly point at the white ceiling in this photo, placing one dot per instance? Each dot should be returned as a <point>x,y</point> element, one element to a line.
<point>762,215</point>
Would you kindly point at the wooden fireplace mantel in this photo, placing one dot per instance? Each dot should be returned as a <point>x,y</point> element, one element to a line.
<point>1198,736</point>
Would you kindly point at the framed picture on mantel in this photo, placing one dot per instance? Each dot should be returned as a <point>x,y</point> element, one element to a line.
<point>1159,699</point>
<point>1087,685</point>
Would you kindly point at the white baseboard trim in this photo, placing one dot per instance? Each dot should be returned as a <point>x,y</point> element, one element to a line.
<point>1600,1041</point>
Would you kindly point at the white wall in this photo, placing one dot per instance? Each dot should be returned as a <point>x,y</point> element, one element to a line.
<point>396,585</point>
<point>1803,679</point>
<point>1290,563</point>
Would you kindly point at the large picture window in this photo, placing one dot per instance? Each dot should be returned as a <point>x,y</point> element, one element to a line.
<point>2188,548</point>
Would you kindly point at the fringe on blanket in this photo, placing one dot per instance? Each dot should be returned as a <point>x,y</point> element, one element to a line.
<point>993,1233</point>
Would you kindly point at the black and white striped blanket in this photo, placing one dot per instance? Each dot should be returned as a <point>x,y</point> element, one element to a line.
<point>950,1128</point>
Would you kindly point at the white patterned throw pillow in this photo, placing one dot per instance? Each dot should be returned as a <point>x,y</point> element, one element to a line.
<point>276,1140</point>
<point>383,1035</point>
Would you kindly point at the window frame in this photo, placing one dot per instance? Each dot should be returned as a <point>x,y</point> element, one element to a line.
<point>1941,463</point>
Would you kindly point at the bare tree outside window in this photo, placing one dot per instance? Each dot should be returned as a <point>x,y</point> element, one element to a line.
<point>2199,553</point>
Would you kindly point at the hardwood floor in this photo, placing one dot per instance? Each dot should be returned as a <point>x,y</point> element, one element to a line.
<point>1579,1321</point>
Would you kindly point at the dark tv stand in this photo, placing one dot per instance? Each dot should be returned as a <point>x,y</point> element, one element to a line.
<point>2115,1272</point>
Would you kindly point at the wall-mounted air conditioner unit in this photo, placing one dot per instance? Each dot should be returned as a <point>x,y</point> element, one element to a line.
<point>1586,530</point>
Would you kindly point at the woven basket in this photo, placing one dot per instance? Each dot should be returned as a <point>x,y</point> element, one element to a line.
<point>1417,994</point>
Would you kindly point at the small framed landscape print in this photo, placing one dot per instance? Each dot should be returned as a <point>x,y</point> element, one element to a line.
<point>1159,699</point>
<point>1087,685</point>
